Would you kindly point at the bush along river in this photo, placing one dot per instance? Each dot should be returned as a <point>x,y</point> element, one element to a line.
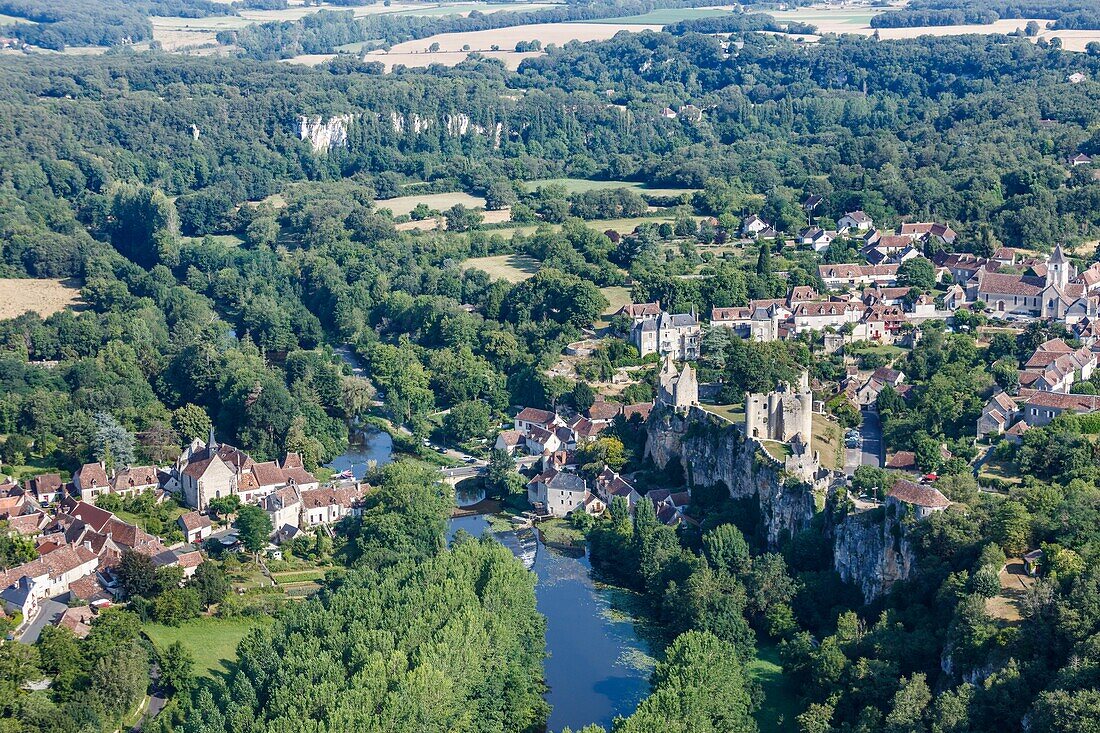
<point>597,666</point>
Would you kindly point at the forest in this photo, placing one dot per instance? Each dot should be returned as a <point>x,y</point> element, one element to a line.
<point>1065,14</point>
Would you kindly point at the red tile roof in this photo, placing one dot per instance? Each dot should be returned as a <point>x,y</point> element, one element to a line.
<point>918,495</point>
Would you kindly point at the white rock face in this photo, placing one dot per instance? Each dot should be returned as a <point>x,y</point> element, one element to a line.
<point>324,135</point>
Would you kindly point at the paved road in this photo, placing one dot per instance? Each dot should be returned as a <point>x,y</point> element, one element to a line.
<point>48,611</point>
<point>870,451</point>
<point>871,430</point>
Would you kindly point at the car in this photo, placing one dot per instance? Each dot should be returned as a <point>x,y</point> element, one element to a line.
<point>441,449</point>
<point>469,459</point>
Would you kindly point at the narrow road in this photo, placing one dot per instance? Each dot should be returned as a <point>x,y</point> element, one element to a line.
<point>48,611</point>
<point>869,452</point>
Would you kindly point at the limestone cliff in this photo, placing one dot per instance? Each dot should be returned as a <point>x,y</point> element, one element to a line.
<point>324,135</point>
<point>714,451</point>
<point>871,548</point>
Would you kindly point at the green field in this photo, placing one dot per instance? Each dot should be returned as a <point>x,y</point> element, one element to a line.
<point>580,185</point>
<point>734,413</point>
<point>827,442</point>
<point>513,268</point>
<point>617,296</point>
<point>174,514</point>
<point>777,714</point>
<point>12,20</point>
<point>622,226</point>
<point>211,641</point>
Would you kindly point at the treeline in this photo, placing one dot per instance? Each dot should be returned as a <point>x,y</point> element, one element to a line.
<point>96,682</point>
<point>324,31</point>
<point>98,22</point>
<point>415,637</point>
<point>1083,14</point>
<point>738,23</point>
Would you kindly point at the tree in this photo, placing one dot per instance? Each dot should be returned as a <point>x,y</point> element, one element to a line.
<point>177,668</point>
<point>909,705</point>
<point>144,225</point>
<point>191,421</point>
<point>136,573</point>
<point>253,528</point>
<point>461,219</point>
<point>583,396</point>
<point>700,687</point>
<point>1011,527</point>
<point>119,679</point>
<point>726,548</point>
<point>467,420</point>
<point>764,261</point>
<point>605,451</point>
<point>917,272</point>
<point>114,444</point>
<point>15,549</point>
<point>211,582</point>
<point>501,479</point>
<point>224,506</point>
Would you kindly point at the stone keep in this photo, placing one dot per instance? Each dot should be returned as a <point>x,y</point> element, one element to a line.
<point>678,389</point>
<point>782,413</point>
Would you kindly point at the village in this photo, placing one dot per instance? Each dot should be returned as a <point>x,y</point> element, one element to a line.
<point>878,304</point>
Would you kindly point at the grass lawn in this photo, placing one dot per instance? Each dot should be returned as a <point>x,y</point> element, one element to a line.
<point>173,514</point>
<point>561,532</point>
<point>827,442</point>
<point>513,268</point>
<point>300,576</point>
<point>777,714</point>
<point>735,413</point>
<point>211,641</point>
<point>622,226</point>
<point>228,240</point>
<point>1001,471</point>
<point>778,451</point>
<point>888,350</point>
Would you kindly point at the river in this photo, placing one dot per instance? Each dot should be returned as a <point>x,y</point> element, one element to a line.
<point>598,667</point>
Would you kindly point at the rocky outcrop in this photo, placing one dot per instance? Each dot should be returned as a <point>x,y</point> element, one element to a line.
<point>714,451</point>
<point>871,548</point>
<point>324,135</point>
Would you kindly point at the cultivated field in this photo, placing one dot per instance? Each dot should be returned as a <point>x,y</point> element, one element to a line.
<point>177,33</point>
<point>434,201</point>
<point>45,297</point>
<point>451,45</point>
<point>857,19</point>
<point>580,185</point>
<point>513,268</point>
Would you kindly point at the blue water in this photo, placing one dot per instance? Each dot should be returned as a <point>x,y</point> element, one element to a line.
<point>593,668</point>
<point>375,445</point>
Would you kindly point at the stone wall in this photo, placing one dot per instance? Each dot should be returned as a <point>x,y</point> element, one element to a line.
<point>713,451</point>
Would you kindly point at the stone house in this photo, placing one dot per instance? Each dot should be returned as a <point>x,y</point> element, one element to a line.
<point>559,492</point>
<point>922,501</point>
<point>196,527</point>
<point>90,481</point>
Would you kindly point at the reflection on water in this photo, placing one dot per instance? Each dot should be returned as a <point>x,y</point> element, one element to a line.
<point>468,493</point>
<point>374,445</point>
<point>597,666</point>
